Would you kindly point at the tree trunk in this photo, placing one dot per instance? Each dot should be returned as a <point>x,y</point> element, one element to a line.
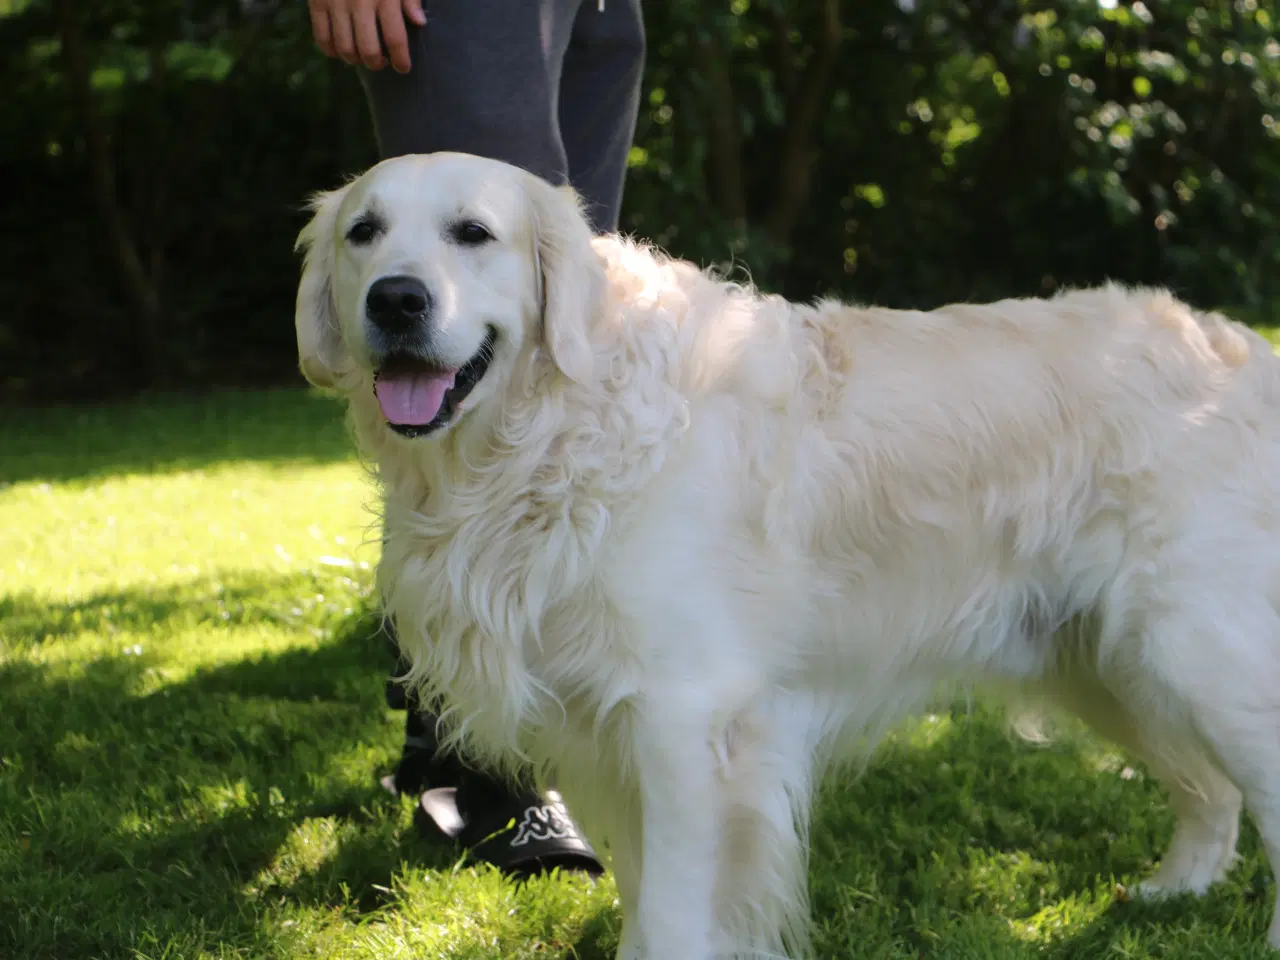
<point>141,290</point>
<point>724,136</point>
<point>804,109</point>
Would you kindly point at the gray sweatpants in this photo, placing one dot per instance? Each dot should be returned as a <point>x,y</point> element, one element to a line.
<point>552,86</point>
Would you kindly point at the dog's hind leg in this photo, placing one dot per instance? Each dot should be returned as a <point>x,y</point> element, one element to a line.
<point>1203,846</point>
<point>1206,802</point>
<point>1214,670</point>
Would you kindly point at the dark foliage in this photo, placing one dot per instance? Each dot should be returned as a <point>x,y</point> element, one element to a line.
<point>157,153</point>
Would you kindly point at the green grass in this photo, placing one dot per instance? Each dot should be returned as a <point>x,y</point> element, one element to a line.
<point>1266,322</point>
<point>1272,333</point>
<point>193,724</point>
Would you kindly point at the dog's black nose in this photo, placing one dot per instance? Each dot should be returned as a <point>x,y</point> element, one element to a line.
<point>396,303</point>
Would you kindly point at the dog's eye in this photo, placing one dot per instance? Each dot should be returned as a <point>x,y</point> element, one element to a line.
<point>362,232</point>
<point>470,233</point>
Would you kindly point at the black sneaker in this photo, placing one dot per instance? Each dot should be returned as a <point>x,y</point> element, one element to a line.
<point>518,831</point>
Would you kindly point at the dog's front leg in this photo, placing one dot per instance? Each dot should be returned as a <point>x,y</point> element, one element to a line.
<point>680,836</point>
<point>611,818</point>
<point>626,874</point>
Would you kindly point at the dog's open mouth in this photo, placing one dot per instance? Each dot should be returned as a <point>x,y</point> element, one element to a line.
<point>418,396</point>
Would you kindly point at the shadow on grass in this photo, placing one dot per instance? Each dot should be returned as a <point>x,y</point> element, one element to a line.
<point>140,805</point>
<point>170,433</point>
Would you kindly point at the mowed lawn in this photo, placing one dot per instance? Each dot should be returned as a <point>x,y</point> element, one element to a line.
<point>192,727</point>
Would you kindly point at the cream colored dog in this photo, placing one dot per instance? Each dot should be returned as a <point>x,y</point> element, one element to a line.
<point>679,546</point>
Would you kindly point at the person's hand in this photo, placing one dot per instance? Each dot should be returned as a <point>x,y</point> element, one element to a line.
<point>349,30</point>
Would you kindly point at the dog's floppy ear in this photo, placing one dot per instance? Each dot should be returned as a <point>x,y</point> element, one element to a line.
<point>322,355</point>
<point>571,276</point>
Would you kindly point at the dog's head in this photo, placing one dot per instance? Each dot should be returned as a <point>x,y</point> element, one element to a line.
<point>429,277</point>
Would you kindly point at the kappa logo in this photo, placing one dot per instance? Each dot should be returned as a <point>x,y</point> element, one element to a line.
<point>547,822</point>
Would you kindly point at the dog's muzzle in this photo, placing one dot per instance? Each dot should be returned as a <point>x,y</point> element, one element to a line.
<point>418,395</point>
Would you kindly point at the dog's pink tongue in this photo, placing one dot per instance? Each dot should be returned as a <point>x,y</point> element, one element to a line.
<point>412,399</point>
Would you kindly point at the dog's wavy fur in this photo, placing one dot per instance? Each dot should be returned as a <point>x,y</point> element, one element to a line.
<point>696,543</point>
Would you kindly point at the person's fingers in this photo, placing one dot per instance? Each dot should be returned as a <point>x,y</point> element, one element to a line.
<point>368,44</point>
<point>413,10</point>
<point>320,30</point>
<point>344,43</point>
<point>394,36</point>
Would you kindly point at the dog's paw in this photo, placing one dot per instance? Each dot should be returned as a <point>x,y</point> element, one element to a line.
<point>1155,891</point>
<point>1166,884</point>
<point>1189,869</point>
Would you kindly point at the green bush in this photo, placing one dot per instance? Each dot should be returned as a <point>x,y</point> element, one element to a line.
<point>907,153</point>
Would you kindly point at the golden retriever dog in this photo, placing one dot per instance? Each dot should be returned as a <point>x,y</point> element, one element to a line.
<point>676,546</point>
